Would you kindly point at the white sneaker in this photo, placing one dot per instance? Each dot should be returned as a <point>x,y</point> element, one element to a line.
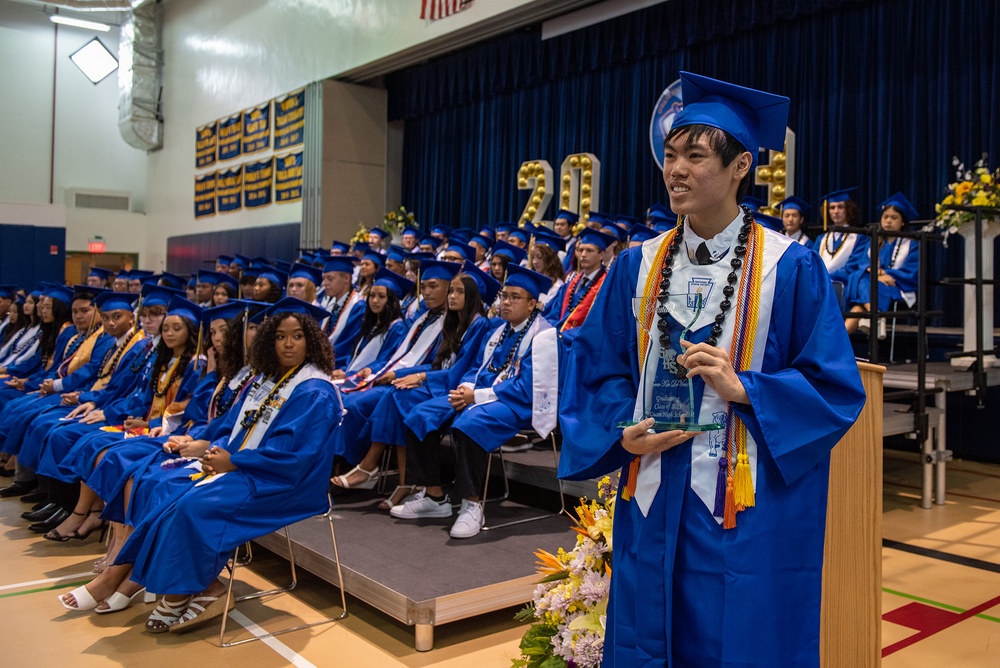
<point>421,505</point>
<point>522,447</point>
<point>469,521</point>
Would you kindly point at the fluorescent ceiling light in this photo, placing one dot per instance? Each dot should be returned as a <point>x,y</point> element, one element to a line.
<point>95,60</point>
<point>79,23</point>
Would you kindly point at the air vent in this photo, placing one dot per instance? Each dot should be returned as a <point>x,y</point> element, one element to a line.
<point>98,199</point>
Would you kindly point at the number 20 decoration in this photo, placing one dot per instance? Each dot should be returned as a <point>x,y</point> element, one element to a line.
<point>579,186</point>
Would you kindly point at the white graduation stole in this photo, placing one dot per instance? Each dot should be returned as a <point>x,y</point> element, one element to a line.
<point>836,256</point>
<point>369,352</point>
<point>254,400</point>
<point>707,447</point>
<point>403,359</point>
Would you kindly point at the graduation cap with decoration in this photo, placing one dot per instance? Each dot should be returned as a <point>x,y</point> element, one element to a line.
<point>902,204</point>
<point>487,285</point>
<point>390,280</point>
<point>521,277</point>
<point>753,117</point>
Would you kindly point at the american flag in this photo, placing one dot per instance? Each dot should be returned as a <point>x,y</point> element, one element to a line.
<point>438,9</point>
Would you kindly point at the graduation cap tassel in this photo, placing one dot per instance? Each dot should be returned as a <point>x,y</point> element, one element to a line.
<point>198,351</point>
<point>633,477</point>
<point>720,490</point>
<point>729,516</point>
<point>743,481</point>
<point>824,215</point>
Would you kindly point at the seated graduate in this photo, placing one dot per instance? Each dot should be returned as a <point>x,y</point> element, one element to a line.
<point>268,472</point>
<point>395,259</point>
<point>462,333</point>
<point>570,305</point>
<point>545,251</point>
<point>503,254</point>
<point>898,263</point>
<point>14,321</point>
<point>370,262</point>
<point>793,217</point>
<point>841,252</point>
<point>482,245</point>
<point>345,303</point>
<point>409,238</point>
<point>718,534</point>
<point>563,227</point>
<point>269,284</point>
<point>303,280</point>
<point>639,234</point>
<point>377,238</point>
<point>382,327</point>
<point>492,404</point>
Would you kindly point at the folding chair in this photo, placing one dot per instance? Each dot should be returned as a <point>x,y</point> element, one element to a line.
<point>258,594</point>
<point>506,486</point>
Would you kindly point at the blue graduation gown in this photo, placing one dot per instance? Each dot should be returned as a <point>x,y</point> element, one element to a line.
<point>343,345</point>
<point>685,590</point>
<point>181,547</point>
<point>857,289</point>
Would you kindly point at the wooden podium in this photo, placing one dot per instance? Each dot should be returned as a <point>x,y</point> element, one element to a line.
<point>851,618</point>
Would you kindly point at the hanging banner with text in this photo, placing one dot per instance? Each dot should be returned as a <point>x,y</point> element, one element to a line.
<point>204,195</point>
<point>230,137</point>
<point>229,189</point>
<point>288,177</point>
<point>289,119</point>
<point>257,179</point>
<point>204,145</point>
<point>257,128</point>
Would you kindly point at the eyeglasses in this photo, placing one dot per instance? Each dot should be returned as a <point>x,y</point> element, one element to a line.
<point>509,297</point>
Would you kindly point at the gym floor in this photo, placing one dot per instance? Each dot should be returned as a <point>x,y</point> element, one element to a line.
<point>940,601</point>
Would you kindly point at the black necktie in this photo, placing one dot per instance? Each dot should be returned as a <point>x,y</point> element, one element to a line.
<point>701,254</point>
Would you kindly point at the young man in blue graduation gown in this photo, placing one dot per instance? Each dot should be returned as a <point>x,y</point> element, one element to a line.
<point>345,304</point>
<point>570,305</point>
<point>718,536</point>
<point>491,405</point>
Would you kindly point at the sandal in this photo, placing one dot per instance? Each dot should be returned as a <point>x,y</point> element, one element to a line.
<point>397,498</point>
<point>84,599</point>
<point>201,611</point>
<point>368,483</point>
<point>119,601</point>
<point>58,537</point>
<point>166,615</point>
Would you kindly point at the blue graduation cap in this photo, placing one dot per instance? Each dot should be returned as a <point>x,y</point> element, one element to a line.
<point>441,229</point>
<point>341,263</point>
<point>158,295</point>
<point>489,232</point>
<point>291,305</point>
<point>429,240</point>
<point>241,261</point>
<point>224,260</point>
<point>227,311</point>
<point>482,241</point>
<point>600,219</point>
<point>419,255</point>
<point>840,195</point>
<point>7,291</point>
<point>462,249</point>
<point>770,222</point>
<point>796,204</point>
<point>122,273</point>
<point>488,286</point>
<point>614,231</point>
<point>902,204</point>
<point>35,293</point>
<point>183,308</point>
<point>458,235</point>
<point>529,227</point>
<point>193,281</point>
<point>511,252</point>
<point>754,118</point>
<point>409,231</point>
<point>506,227</point>
<point>640,233</point>
<point>87,292</point>
<point>362,247</point>
<point>595,238</point>
<point>755,203</point>
<point>379,232</point>
<point>274,275</point>
<point>259,261</point>
<point>396,253</point>
<point>170,280</point>
<point>211,277</point>
<point>522,277</point>
<point>282,265</point>
<point>630,221</point>
<point>375,257</point>
<point>569,216</point>
<point>115,301</point>
<point>56,291</point>
<point>19,298</point>
<point>340,246</point>
<point>138,274</point>
<point>543,237</point>
<point>431,269</point>
<point>390,280</point>
<point>306,271</point>
<point>520,233</point>
<point>100,272</point>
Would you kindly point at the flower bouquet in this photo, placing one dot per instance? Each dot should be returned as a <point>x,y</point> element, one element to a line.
<point>393,223</point>
<point>569,606</point>
<point>972,187</point>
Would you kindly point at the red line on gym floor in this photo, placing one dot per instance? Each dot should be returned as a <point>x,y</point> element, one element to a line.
<point>937,628</point>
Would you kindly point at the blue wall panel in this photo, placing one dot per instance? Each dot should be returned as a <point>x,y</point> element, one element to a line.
<point>189,253</point>
<point>27,258</point>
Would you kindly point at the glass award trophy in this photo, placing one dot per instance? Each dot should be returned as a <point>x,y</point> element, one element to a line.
<point>668,394</point>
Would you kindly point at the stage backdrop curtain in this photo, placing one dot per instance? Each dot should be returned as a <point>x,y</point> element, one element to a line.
<point>883,93</point>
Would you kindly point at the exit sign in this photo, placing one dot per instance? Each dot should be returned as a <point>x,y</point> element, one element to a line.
<point>95,246</point>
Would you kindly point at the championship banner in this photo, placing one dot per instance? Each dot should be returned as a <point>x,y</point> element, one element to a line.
<point>257,128</point>
<point>204,195</point>
<point>257,178</point>
<point>289,119</point>
<point>204,145</point>
<point>288,177</point>
<point>228,190</point>
<point>230,136</point>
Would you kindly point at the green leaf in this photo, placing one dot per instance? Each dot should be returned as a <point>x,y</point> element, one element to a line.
<point>561,575</point>
<point>553,662</point>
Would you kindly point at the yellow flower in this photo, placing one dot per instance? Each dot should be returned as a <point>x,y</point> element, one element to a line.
<point>981,200</point>
<point>963,189</point>
<point>950,199</point>
<point>986,178</point>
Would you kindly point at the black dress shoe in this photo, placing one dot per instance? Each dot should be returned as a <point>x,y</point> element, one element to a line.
<point>43,513</point>
<point>51,523</point>
<point>18,489</point>
<point>6,473</point>
<point>36,497</point>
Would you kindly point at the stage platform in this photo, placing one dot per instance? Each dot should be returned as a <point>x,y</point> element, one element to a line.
<point>415,572</point>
